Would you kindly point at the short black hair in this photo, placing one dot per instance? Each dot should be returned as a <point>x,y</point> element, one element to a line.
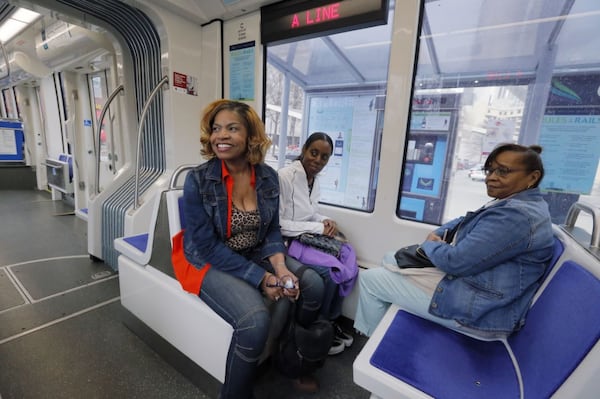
<point>530,157</point>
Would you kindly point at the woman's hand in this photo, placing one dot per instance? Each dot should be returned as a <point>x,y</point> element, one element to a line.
<point>329,227</point>
<point>433,237</point>
<point>273,293</point>
<point>290,286</point>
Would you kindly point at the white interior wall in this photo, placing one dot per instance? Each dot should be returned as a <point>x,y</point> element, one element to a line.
<point>183,54</point>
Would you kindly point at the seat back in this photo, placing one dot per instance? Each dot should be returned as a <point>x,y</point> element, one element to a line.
<point>557,251</point>
<point>561,328</point>
<point>168,223</point>
<point>175,211</point>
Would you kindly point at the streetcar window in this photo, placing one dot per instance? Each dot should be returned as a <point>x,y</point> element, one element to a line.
<point>493,72</point>
<point>335,84</point>
<point>8,96</point>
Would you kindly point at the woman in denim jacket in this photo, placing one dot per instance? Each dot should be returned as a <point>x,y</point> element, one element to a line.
<point>487,272</point>
<point>232,239</point>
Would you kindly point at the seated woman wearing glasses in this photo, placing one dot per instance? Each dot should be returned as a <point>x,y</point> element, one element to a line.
<point>232,239</point>
<point>485,276</point>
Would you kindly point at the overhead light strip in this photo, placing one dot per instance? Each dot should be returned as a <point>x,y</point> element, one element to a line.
<point>16,23</point>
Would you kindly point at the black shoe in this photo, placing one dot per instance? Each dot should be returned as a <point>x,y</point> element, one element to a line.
<point>341,335</point>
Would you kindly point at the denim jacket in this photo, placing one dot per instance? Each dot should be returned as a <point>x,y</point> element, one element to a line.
<point>495,263</point>
<point>205,207</point>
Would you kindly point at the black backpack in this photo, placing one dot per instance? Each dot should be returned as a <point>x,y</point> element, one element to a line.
<point>302,349</point>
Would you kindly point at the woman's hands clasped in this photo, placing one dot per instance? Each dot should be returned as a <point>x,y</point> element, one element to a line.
<point>281,284</point>
<point>329,227</point>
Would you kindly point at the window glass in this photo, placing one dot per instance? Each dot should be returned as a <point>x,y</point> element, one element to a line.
<point>99,94</point>
<point>493,72</point>
<point>335,84</point>
<point>9,103</point>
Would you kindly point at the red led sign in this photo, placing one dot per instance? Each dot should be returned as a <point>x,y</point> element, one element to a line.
<point>293,19</point>
<point>316,15</point>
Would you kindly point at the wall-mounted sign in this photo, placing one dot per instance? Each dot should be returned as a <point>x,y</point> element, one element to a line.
<point>291,20</point>
<point>185,84</point>
<point>241,71</point>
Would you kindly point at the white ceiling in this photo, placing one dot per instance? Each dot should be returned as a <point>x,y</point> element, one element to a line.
<point>203,11</point>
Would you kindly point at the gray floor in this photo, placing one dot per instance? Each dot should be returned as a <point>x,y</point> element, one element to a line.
<point>64,333</point>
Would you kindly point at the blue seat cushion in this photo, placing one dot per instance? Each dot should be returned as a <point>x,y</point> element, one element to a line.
<point>561,328</point>
<point>140,241</point>
<point>444,363</point>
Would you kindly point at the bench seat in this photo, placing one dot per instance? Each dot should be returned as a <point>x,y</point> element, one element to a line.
<point>410,357</point>
<point>181,318</point>
<point>150,291</point>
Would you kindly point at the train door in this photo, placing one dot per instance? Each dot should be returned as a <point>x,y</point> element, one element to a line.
<point>76,111</point>
<point>110,155</point>
<point>57,143</point>
<point>96,151</point>
<point>27,96</point>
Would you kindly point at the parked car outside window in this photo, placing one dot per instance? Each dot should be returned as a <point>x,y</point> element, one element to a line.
<point>476,173</point>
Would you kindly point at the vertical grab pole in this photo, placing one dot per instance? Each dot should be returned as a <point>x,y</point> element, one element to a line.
<point>136,195</point>
<point>112,96</point>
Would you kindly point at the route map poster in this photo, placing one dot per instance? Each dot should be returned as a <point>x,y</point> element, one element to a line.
<point>350,121</point>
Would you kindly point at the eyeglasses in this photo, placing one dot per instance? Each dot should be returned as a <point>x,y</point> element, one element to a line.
<point>500,171</point>
<point>284,282</point>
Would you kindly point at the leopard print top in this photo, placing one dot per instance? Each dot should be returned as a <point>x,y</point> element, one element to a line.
<point>244,229</point>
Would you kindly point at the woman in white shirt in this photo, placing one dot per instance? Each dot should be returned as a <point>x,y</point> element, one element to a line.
<point>299,213</point>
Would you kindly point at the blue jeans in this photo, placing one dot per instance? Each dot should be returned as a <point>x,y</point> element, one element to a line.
<point>380,287</point>
<point>244,307</point>
<point>331,308</point>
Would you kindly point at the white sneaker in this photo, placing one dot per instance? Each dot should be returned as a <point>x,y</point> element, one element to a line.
<point>337,346</point>
<point>341,335</point>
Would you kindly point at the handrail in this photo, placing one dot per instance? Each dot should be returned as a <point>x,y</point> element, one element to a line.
<point>136,201</point>
<point>5,55</point>
<point>574,213</point>
<point>177,172</point>
<point>112,96</point>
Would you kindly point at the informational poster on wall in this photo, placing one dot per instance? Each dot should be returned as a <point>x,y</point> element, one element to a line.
<point>241,71</point>
<point>350,121</point>
<point>573,172</point>
<point>12,141</point>
<point>8,142</point>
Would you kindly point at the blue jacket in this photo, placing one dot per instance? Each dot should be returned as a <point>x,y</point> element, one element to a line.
<point>205,214</point>
<point>494,267</point>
